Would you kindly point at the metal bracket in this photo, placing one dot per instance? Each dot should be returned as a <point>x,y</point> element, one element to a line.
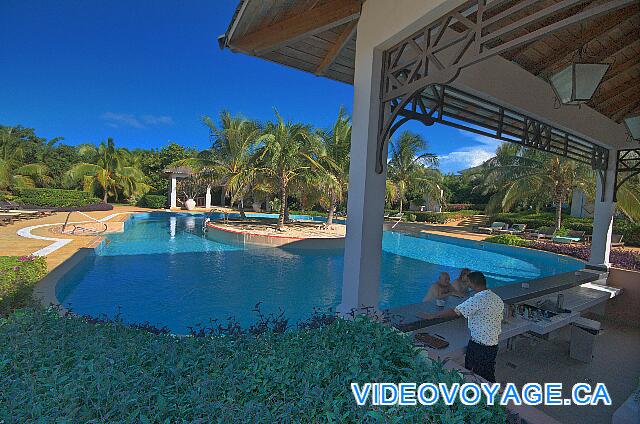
<point>470,33</point>
<point>627,167</point>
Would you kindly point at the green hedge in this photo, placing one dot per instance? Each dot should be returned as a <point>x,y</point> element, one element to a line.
<point>56,198</point>
<point>63,369</point>
<point>18,275</point>
<point>509,240</point>
<point>437,217</point>
<point>152,201</point>
<point>629,230</point>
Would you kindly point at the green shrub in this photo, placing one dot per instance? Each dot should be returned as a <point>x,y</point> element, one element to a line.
<point>55,198</point>
<point>18,275</point>
<point>509,240</point>
<point>63,369</point>
<point>437,217</point>
<point>629,230</point>
<point>152,201</point>
<point>411,217</point>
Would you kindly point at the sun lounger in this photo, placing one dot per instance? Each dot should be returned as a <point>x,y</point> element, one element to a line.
<point>570,238</point>
<point>616,240</point>
<point>9,216</point>
<point>27,214</point>
<point>496,227</point>
<point>8,206</point>
<point>394,217</point>
<point>517,229</point>
<point>540,233</point>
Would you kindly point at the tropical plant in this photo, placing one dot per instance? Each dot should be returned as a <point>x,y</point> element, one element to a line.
<point>283,156</point>
<point>109,175</point>
<point>229,158</point>
<point>528,177</point>
<point>14,173</point>
<point>332,163</point>
<point>411,167</point>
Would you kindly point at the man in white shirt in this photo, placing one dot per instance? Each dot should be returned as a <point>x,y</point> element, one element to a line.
<point>483,311</point>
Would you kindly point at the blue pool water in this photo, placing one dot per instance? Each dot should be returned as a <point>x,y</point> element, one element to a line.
<point>162,270</point>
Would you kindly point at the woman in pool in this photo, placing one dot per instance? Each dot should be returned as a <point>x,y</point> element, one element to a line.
<point>440,289</point>
<point>462,284</point>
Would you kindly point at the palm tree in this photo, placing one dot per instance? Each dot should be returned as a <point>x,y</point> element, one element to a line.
<point>229,158</point>
<point>283,157</point>
<point>332,163</point>
<point>109,174</point>
<point>629,198</point>
<point>408,167</point>
<point>518,175</point>
<point>13,172</point>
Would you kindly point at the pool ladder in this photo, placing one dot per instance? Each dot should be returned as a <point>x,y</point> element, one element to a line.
<point>207,218</point>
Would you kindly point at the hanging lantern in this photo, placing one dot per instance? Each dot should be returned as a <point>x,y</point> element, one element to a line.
<point>633,126</point>
<point>577,83</point>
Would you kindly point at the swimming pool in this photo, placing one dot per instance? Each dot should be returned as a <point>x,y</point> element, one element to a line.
<point>161,269</point>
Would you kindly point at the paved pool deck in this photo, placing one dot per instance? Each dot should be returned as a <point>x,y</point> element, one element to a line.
<point>12,244</point>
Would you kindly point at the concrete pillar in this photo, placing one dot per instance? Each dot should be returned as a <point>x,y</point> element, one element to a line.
<point>365,207</point>
<point>173,192</point>
<point>207,198</point>
<point>603,217</point>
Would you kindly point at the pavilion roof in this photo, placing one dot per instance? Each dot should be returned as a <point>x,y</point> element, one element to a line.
<point>318,36</point>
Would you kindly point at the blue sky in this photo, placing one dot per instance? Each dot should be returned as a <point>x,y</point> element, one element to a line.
<point>144,72</point>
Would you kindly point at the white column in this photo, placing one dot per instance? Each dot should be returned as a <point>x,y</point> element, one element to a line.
<point>173,192</point>
<point>365,207</point>
<point>603,216</point>
<point>207,198</point>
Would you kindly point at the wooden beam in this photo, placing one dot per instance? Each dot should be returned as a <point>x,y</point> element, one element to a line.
<point>604,50</point>
<point>602,104</point>
<point>319,19</point>
<point>569,48</point>
<point>630,110</point>
<point>335,50</point>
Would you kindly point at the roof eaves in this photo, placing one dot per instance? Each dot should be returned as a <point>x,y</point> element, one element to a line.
<point>223,40</point>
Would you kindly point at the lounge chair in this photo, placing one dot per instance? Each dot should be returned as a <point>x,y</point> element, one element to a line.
<point>8,206</point>
<point>496,227</point>
<point>570,238</point>
<point>616,240</point>
<point>516,229</point>
<point>395,217</point>
<point>10,217</point>
<point>541,233</point>
<point>5,220</point>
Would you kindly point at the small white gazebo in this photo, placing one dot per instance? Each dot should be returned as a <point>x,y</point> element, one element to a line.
<point>175,173</point>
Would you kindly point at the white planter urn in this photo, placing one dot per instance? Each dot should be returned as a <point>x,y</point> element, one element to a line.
<point>256,206</point>
<point>190,204</point>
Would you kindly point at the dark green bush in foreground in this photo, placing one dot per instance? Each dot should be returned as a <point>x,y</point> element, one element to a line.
<point>18,275</point>
<point>509,240</point>
<point>152,201</point>
<point>54,198</point>
<point>56,369</point>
